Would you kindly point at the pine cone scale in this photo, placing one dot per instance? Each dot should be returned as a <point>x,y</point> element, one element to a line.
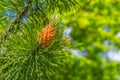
<point>47,36</point>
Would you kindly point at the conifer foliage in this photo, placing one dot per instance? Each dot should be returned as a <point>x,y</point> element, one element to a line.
<point>31,46</point>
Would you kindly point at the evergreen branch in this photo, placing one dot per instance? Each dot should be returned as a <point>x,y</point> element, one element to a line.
<point>11,65</point>
<point>17,20</point>
<point>41,63</point>
<point>62,6</point>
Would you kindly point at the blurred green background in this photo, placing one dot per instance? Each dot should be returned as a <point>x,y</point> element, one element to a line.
<point>94,33</point>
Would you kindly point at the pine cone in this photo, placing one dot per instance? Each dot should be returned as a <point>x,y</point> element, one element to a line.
<point>46,36</point>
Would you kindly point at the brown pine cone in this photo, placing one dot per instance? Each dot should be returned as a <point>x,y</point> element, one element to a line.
<point>46,36</point>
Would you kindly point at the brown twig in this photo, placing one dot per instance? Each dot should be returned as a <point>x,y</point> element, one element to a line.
<point>17,20</point>
<point>35,49</point>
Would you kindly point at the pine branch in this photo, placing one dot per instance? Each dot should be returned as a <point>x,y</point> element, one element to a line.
<point>39,58</point>
<point>16,21</point>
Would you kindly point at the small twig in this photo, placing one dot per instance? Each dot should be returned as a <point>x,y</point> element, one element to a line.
<point>17,20</point>
<point>35,49</point>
